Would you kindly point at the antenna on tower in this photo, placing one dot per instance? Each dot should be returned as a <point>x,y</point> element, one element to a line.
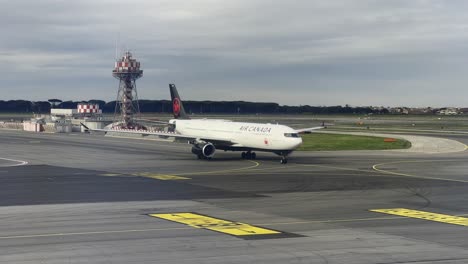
<point>117,45</point>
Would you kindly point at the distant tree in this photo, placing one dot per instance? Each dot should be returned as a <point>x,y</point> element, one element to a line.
<point>41,107</point>
<point>109,107</point>
<point>16,106</point>
<point>68,105</point>
<point>54,102</point>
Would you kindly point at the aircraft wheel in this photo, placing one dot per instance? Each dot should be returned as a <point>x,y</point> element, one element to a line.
<point>200,156</point>
<point>284,161</point>
<point>254,155</point>
<point>248,155</point>
<point>243,155</point>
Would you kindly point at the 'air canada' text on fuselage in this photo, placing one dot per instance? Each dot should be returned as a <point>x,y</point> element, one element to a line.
<point>256,129</point>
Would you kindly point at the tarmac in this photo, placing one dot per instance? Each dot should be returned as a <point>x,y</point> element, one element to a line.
<point>86,198</point>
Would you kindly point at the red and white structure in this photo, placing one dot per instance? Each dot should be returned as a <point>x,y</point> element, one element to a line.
<point>127,65</point>
<point>127,70</point>
<point>89,109</point>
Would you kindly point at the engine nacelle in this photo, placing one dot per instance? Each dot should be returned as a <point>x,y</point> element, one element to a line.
<point>207,150</point>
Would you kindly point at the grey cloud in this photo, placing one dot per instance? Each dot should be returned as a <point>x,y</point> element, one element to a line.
<point>322,52</point>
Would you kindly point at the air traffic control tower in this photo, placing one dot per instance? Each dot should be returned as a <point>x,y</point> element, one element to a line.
<point>127,71</point>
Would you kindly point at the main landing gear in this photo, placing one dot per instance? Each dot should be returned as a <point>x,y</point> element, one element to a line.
<point>284,160</point>
<point>201,156</point>
<point>249,155</point>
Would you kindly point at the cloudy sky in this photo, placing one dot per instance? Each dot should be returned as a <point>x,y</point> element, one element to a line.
<point>316,52</point>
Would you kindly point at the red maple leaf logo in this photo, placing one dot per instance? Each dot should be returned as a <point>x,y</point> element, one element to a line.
<point>176,106</point>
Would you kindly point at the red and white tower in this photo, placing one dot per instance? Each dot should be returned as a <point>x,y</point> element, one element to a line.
<point>127,71</point>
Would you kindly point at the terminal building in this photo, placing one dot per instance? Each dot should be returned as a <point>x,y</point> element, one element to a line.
<point>68,120</point>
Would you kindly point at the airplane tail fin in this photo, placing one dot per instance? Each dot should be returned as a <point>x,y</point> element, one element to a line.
<point>177,106</point>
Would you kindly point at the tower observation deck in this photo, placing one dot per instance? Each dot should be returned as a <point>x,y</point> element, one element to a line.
<point>127,71</point>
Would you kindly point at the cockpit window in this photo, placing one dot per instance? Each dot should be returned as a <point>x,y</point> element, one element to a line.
<point>293,135</point>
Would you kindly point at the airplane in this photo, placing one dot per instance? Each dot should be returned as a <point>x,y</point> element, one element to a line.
<point>208,135</point>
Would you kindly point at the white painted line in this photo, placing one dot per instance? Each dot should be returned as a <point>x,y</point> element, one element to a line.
<point>94,232</point>
<point>20,162</point>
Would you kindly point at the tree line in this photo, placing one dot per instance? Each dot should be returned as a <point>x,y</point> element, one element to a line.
<point>195,107</point>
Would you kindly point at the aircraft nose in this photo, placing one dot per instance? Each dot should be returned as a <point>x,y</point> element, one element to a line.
<point>297,142</point>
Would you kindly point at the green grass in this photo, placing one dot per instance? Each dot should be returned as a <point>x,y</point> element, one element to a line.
<point>327,142</point>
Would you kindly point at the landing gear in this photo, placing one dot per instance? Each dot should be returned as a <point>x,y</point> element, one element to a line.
<point>284,156</point>
<point>200,157</point>
<point>249,155</point>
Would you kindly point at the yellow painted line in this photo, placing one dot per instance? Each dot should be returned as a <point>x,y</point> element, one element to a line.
<point>376,168</point>
<point>297,166</point>
<point>442,218</point>
<point>215,224</point>
<point>256,164</point>
<point>168,177</point>
<point>164,177</point>
<point>180,176</point>
<point>110,174</point>
<point>337,168</point>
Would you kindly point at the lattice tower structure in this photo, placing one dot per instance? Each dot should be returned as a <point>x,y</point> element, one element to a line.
<point>127,71</point>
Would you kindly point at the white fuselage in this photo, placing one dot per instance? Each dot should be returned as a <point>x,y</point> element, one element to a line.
<point>268,137</point>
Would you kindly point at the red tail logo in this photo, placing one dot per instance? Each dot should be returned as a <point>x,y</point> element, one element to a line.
<point>176,107</point>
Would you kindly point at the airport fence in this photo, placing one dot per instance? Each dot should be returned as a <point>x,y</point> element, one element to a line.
<point>11,125</point>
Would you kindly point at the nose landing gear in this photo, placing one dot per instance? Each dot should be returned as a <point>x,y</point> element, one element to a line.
<point>284,156</point>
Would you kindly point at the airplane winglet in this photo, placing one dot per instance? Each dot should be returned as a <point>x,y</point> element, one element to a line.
<point>308,130</point>
<point>87,128</point>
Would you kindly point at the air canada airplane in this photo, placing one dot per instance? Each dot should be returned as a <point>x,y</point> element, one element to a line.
<point>207,135</point>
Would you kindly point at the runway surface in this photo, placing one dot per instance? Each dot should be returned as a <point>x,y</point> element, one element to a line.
<point>93,199</point>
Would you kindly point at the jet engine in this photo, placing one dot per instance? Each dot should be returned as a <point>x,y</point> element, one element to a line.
<point>206,151</point>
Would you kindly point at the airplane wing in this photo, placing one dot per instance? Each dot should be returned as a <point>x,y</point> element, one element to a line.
<point>306,130</point>
<point>154,121</point>
<point>216,141</point>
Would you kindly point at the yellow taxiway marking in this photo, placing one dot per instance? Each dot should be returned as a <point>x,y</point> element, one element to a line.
<point>337,168</point>
<point>256,164</point>
<point>110,174</point>
<point>376,168</point>
<point>164,177</point>
<point>181,176</point>
<point>215,224</point>
<point>297,166</point>
<point>448,219</point>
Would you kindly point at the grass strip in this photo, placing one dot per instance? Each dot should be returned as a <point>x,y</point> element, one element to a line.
<point>330,142</point>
